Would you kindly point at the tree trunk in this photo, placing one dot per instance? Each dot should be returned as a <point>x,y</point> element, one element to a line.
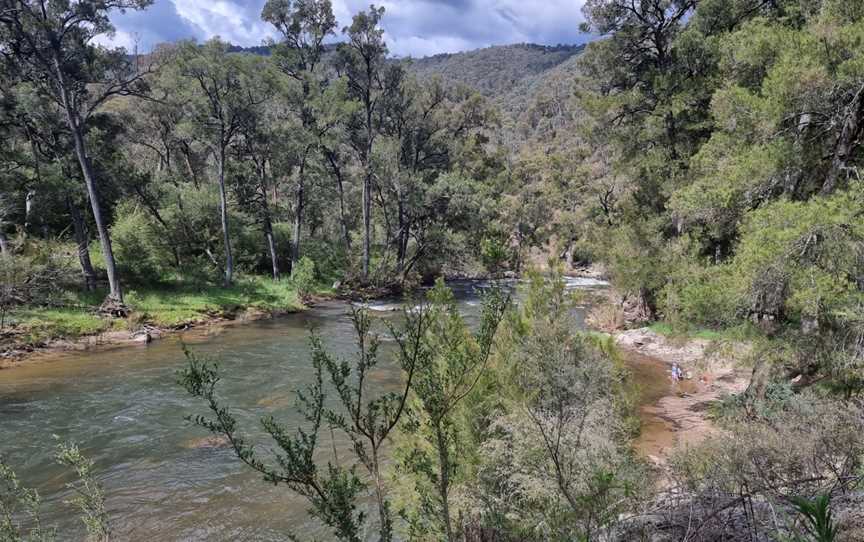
<point>268,221</point>
<point>223,211</point>
<point>402,234</point>
<point>386,524</point>
<point>271,246</point>
<point>444,481</point>
<point>83,244</point>
<point>853,126</point>
<point>116,292</point>
<point>4,245</point>
<point>299,203</point>
<point>343,221</point>
<point>30,198</point>
<point>29,203</point>
<point>367,222</point>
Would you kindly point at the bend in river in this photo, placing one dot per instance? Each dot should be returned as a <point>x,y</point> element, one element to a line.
<point>164,479</point>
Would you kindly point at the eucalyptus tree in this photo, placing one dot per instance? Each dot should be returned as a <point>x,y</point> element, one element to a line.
<point>362,60</point>
<point>172,164</point>
<point>303,25</point>
<point>265,150</point>
<point>52,45</point>
<point>221,90</point>
<point>424,127</point>
<point>46,177</point>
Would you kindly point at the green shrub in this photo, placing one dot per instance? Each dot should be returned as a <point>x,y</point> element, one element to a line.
<point>329,257</point>
<point>698,296</point>
<point>138,245</point>
<point>818,520</point>
<point>303,276</point>
<point>31,281</point>
<point>494,253</point>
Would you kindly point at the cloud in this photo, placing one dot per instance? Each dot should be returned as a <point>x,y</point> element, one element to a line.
<point>232,21</point>
<point>412,27</point>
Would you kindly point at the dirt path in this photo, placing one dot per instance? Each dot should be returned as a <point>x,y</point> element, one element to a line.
<point>674,413</point>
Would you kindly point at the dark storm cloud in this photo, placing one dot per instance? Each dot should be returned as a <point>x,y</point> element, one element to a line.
<point>413,27</point>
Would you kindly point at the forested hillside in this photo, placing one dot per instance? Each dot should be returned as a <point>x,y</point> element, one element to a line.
<point>509,75</point>
<point>705,155</point>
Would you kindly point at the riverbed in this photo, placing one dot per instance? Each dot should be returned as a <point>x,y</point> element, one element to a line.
<point>163,478</point>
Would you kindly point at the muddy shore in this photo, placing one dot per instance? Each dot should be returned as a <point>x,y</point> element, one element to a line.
<point>678,418</point>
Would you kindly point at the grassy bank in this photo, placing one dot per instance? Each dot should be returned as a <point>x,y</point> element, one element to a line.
<point>166,305</point>
<point>734,333</point>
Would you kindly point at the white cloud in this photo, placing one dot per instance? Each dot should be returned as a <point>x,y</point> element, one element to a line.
<point>119,38</point>
<point>412,27</point>
<point>423,27</point>
<point>417,46</point>
<point>226,19</point>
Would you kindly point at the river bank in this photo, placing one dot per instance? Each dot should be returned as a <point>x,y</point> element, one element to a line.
<point>38,334</point>
<point>678,417</point>
<point>25,353</point>
<point>673,415</point>
<point>78,324</point>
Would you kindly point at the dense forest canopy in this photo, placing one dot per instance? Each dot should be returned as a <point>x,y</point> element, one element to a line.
<point>706,154</point>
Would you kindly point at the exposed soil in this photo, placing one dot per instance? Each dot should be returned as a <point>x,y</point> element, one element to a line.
<point>679,416</point>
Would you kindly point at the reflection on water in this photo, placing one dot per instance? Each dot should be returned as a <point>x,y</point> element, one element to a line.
<point>166,480</point>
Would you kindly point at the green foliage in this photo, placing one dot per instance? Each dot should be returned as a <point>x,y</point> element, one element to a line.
<point>89,496</point>
<point>430,452</point>
<point>171,303</point>
<point>637,258</point>
<point>32,281</point>
<point>494,253</point>
<point>19,504</point>
<point>20,507</point>
<point>303,276</point>
<point>815,247</point>
<point>139,245</point>
<point>363,416</point>
<point>332,491</point>
<point>552,456</point>
<point>39,325</point>
<point>817,517</point>
<point>699,296</point>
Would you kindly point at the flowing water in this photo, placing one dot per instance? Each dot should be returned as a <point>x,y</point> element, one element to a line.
<point>164,479</point>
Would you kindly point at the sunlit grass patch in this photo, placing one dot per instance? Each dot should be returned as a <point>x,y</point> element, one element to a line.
<point>38,325</point>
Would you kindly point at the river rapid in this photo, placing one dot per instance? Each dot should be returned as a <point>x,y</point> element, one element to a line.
<point>164,479</point>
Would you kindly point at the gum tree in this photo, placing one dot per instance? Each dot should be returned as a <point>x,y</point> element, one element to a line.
<point>222,91</point>
<point>51,43</point>
<point>303,25</point>
<point>362,61</point>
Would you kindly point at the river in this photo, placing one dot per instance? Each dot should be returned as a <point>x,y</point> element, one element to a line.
<point>163,479</point>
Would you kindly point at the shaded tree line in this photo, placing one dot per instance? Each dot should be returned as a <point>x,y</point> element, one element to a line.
<point>194,158</point>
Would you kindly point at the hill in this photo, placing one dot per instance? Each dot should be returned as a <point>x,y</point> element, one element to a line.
<point>510,75</point>
<point>514,76</point>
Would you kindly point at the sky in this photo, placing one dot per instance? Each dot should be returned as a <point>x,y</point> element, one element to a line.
<point>412,27</point>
